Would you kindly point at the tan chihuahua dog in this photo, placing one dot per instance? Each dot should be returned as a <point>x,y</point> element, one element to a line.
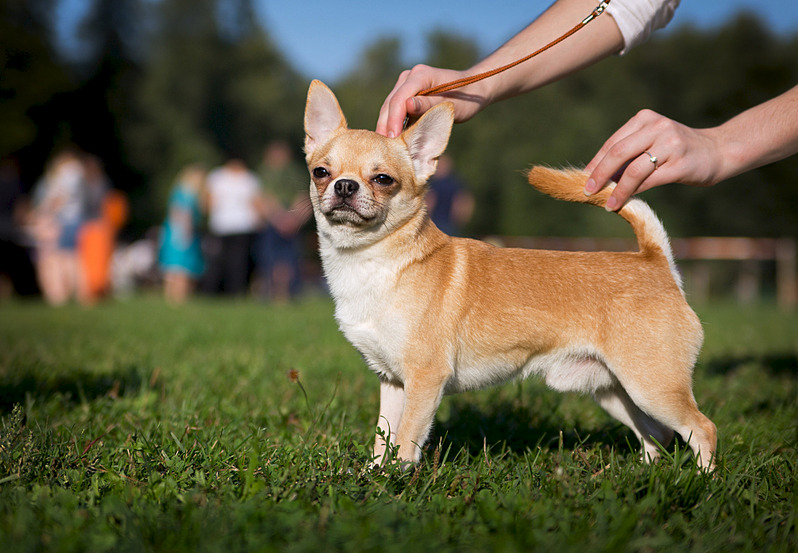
<point>435,315</point>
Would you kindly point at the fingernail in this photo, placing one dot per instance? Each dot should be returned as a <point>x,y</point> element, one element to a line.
<point>391,134</point>
<point>590,187</point>
<point>612,204</point>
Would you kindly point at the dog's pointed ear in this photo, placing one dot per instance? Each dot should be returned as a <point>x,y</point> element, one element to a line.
<point>427,139</point>
<point>323,116</point>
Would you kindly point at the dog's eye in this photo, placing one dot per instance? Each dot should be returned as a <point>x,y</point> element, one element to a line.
<point>321,173</point>
<point>383,180</point>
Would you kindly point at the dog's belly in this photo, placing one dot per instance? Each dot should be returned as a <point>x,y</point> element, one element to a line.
<point>581,370</point>
<point>575,370</point>
<point>382,341</point>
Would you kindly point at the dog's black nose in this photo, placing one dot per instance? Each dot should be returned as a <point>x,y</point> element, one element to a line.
<point>345,187</point>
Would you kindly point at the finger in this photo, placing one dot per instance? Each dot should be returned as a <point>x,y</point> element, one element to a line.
<point>617,156</point>
<point>618,150</point>
<point>393,108</point>
<point>631,181</point>
<point>630,127</point>
<point>419,105</point>
<point>414,107</point>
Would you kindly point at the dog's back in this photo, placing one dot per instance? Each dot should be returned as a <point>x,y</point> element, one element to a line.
<point>569,185</point>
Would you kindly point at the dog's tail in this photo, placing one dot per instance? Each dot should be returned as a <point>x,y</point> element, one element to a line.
<point>569,185</point>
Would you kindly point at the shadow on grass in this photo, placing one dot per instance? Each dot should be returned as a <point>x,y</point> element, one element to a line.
<point>78,387</point>
<point>509,426</point>
<point>775,364</point>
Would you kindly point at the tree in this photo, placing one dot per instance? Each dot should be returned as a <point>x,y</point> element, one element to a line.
<point>452,50</point>
<point>101,109</point>
<point>214,86</point>
<point>698,78</point>
<point>361,93</point>
<point>174,93</point>
<point>30,78</point>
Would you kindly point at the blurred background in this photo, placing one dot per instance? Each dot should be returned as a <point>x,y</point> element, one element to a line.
<point>138,90</point>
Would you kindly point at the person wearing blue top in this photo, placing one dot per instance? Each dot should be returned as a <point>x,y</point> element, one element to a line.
<point>180,255</point>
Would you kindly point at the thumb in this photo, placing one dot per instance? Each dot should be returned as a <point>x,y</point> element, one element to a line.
<point>419,105</point>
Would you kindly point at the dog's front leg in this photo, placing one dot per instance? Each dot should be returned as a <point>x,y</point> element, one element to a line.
<point>423,395</point>
<point>392,404</point>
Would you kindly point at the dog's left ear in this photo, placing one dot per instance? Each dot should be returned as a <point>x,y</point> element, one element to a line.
<point>427,139</point>
<point>323,116</point>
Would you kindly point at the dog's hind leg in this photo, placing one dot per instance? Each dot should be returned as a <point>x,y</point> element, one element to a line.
<point>617,403</point>
<point>691,424</point>
<point>669,400</point>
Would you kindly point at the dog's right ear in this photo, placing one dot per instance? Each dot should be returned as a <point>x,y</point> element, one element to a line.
<point>323,116</point>
<point>426,140</point>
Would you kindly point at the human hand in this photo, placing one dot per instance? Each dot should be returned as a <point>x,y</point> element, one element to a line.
<point>651,150</point>
<point>403,100</point>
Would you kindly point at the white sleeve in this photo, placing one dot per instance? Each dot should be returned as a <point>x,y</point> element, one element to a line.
<point>637,19</point>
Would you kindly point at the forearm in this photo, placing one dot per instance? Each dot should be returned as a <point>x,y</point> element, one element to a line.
<point>593,42</point>
<point>763,134</point>
<point>599,39</point>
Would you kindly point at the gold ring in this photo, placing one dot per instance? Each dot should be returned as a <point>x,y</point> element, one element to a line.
<point>652,158</point>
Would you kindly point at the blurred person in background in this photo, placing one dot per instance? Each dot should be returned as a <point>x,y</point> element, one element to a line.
<point>235,212</point>
<point>278,246</point>
<point>450,204</point>
<point>16,270</point>
<point>105,211</point>
<point>57,215</point>
<point>180,253</point>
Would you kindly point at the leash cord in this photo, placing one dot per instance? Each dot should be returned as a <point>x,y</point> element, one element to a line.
<point>453,85</point>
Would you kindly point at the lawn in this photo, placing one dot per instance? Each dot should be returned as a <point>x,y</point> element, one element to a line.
<point>238,426</point>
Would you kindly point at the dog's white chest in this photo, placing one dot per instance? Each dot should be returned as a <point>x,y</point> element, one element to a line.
<point>364,307</point>
<point>380,343</point>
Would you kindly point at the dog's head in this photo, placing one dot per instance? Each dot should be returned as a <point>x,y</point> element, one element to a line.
<point>364,185</point>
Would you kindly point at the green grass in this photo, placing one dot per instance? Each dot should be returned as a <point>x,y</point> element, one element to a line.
<point>141,427</point>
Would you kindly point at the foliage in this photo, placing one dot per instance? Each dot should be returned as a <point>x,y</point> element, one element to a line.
<point>30,76</point>
<point>700,79</point>
<point>164,83</point>
<point>209,93</point>
<point>363,91</point>
<point>241,427</point>
<point>214,87</point>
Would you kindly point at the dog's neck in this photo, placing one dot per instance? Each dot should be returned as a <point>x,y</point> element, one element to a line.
<point>411,242</point>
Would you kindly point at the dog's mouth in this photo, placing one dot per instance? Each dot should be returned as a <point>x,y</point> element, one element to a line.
<point>348,213</point>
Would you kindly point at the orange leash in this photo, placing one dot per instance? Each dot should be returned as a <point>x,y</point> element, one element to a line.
<point>448,87</point>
